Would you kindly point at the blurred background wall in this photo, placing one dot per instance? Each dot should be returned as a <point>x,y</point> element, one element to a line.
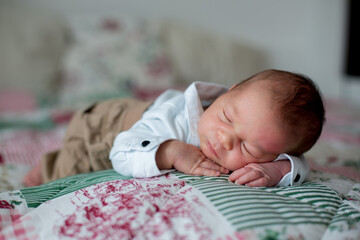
<point>305,36</point>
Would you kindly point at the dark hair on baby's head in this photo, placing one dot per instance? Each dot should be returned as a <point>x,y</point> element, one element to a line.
<point>300,104</point>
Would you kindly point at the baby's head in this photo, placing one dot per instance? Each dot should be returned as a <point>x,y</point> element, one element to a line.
<point>269,113</point>
<point>298,102</point>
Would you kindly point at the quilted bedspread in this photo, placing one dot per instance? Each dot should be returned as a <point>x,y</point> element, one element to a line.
<point>106,205</point>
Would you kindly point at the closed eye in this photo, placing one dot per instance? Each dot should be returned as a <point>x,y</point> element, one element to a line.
<point>226,118</point>
<point>246,150</point>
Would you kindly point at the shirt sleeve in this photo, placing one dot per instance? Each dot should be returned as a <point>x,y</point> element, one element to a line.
<point>133,152</point>
<point>298,173</point>
<point>134,155</point>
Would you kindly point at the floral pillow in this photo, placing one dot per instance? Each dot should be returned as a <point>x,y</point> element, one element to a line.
<point>114,58</point>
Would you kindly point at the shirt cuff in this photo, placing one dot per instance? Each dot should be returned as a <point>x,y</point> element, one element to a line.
<point>135,157</point>
<point>298,173</point>
<point>144,164</point>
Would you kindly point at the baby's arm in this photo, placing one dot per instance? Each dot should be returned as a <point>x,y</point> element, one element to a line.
<point>261,174</point>
<point>186,158</point>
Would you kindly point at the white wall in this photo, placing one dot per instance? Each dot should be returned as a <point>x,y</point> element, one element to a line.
<point>304,36</point>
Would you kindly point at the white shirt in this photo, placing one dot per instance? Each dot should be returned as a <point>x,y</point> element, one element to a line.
<point>175,115</point>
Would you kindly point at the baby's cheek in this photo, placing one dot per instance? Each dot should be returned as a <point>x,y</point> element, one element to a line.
<point>204,151</point>
<point>266,159</point>
<point>234,163</point>
<point>238,161</point>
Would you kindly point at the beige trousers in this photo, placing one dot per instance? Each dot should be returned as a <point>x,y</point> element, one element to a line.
<point>90,136</point>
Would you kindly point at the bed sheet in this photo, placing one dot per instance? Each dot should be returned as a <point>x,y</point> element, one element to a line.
<point>106,205</point>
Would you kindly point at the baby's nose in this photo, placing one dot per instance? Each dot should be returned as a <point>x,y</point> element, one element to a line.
<point>226,139</point>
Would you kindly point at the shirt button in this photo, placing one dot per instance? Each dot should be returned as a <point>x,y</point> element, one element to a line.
<point>145,143</point>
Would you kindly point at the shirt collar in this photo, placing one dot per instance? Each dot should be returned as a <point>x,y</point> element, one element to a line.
<point>197,95</point>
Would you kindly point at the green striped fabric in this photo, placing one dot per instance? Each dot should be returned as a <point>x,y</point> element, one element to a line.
<point>35,196</point>
<point>347,214</point>
<point>246,207</point>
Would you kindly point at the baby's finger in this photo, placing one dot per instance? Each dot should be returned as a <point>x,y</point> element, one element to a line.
<point>248,177</point>
<point>206,172</point>
<point>214,166</point>
<point>261,182</point>
<point>224,170</point>
<point>236,174</point>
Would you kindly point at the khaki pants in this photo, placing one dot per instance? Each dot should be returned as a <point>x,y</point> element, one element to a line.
<point>90,136</point>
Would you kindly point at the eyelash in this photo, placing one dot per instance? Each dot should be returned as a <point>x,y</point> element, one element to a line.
<point>226,118</point>
<point>243,145</point>
<point>228,121</point>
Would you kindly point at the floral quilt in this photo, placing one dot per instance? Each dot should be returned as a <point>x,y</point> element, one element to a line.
<point>106,205</point>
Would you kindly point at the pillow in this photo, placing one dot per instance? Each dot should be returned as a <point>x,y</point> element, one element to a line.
<point>199,55</point>
<point>113,58</point>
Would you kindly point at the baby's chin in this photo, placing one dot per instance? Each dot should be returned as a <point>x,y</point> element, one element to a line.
<point>211,158</point>
<point>207,155</point>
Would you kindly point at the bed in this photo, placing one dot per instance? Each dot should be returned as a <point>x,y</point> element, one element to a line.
<point>106,205</point>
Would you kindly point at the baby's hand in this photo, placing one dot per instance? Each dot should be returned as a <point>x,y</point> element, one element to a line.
<point>188,159</point>
<point>260,174</point>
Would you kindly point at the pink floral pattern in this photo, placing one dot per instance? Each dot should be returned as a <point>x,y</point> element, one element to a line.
<point>147,208</point>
